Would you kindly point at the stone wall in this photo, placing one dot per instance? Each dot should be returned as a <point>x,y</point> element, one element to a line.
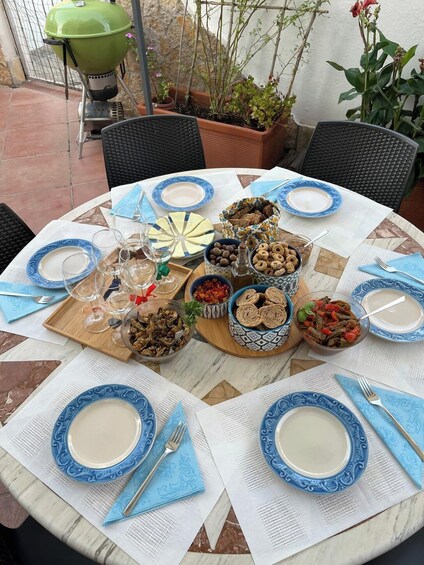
<point>5,77</point>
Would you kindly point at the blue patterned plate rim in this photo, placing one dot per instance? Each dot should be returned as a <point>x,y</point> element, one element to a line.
<point>205,185</point>
<point>59,442</point>
<point>297,183</point>
<point>373,284</point>
<point>358,458</point>
<point>34,261</point>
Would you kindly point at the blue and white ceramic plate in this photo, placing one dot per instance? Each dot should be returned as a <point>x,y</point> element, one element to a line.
<point>309,198</point>
<point>183,193</point>
<point>44,268</point>
<point>401,323</point>
<point>103,434</point>
<point>313,442</point>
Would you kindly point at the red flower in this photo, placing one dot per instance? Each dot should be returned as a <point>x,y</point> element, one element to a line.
<point>359,7</point>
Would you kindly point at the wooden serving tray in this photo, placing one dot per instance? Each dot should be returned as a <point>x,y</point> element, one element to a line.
<point>217,333</point>
<point>68,319</point>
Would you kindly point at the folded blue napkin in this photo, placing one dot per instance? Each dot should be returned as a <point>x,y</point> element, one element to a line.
<point>413,264</point>
<point>259,187</point>
<point>129,202</point>
<point>177,477</point>
<point>407,409</point>
<point>16,307</point>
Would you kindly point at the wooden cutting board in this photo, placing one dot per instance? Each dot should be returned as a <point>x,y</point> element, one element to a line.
<point>217,333</point>
<point>68,319</point>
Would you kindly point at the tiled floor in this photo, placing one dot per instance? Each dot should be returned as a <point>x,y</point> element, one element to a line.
<point>41,176</point>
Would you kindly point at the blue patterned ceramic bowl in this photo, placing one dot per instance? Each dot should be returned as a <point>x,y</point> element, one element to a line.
<point>252,338</point>
<point>211,269</point>
<point>212,310</point>
<point>288,283</point>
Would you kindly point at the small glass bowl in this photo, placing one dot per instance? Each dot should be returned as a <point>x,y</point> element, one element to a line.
<point>356,308</point>
<point>298,242</point>
<point>152,306</point>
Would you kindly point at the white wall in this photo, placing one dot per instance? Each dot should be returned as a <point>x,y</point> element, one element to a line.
<point>335,37</point>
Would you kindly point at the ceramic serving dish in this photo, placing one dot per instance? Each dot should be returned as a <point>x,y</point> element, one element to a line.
<point>253,338</point>
<point>287,282</point>
<point>212,310</point>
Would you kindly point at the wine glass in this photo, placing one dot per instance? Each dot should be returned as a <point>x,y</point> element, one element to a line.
<point>161,252</point>
<point>88,289</point>
<point>106,241</point>
<point>118,301</point>
<point>142,274</point>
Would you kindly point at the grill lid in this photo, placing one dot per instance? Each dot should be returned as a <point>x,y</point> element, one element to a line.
<point>79,19</point>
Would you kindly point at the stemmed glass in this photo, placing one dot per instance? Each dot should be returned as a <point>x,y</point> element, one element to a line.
<point>106,241</point>
<point>117,302</point>
<point>161,252</point>
<point>89,289</point>
<point>142,274</point>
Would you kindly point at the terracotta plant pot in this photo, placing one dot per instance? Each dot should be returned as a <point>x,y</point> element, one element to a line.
<point>231,146</point>
<point>168,104</point>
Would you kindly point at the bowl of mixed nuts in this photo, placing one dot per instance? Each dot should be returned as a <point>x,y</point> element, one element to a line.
<point>277,264</point>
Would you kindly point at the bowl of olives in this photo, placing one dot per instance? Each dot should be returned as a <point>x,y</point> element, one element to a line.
<point>220,256</point>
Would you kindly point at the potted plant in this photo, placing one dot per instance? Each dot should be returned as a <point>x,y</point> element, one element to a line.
<point>387,97</point>
<point>242,124</point>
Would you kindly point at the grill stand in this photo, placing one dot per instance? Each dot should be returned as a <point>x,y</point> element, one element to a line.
<point>94,115</point>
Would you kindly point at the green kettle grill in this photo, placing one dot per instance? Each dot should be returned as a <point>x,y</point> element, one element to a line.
<point>90,37</point>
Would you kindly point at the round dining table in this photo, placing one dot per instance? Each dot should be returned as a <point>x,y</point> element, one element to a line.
<point>358,544</point>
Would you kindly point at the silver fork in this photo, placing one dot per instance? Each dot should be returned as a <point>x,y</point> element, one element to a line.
<point>38,299</point>
<point>171,446</point>
<point>373,398</point>
<point>391,269</point>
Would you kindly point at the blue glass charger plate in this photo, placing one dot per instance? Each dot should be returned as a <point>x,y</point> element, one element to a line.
<point>103,433</point>
<point>309,198</point>
<point>405,322</point>
<point>38,265</point>
<point>313,424</point>
<point>183,193</point>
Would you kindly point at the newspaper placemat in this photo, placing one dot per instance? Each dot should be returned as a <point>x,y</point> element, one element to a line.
<point>278,520</point>
<point>347,228</point>
<point>32,325</point>
<point>399,365</point>
<point>162,536</point>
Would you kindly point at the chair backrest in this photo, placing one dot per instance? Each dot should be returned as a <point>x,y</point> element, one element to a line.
<point>371,160</point>
<point>14,235</point>
<point>149,146</point>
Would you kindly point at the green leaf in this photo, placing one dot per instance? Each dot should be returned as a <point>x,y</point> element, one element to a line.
<point>389,47</point>
<point>385,76</point>
<point>302,315</point>
<point>355,77</point>
<point>192,310</point>
<point>353,114</point>
<point>408,55</point>
<point>336,66</point>
<point>348,95</point>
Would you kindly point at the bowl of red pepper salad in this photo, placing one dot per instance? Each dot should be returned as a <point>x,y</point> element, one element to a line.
<point>213,292</point>
<point>329,321</point>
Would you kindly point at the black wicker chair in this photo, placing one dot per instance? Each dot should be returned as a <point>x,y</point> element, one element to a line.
<point>371,160</point>
<point>149,146</point>
<point>14,235</point>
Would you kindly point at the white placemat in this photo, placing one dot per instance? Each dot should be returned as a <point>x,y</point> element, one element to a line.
<point>161,536</point>
<point>32,325</point>
<point>277,519</point>
<point>225,184</point>
<point>399,365</point>
<point>348,227</point>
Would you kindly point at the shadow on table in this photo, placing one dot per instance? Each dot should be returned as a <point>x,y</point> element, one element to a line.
<point>410,552</point>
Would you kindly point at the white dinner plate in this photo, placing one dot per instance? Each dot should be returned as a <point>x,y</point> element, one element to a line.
<point>401,323</point>
<point>183,193</point>
<point>50,266</point>
<point>313,442</point>
<point>309,198</point>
